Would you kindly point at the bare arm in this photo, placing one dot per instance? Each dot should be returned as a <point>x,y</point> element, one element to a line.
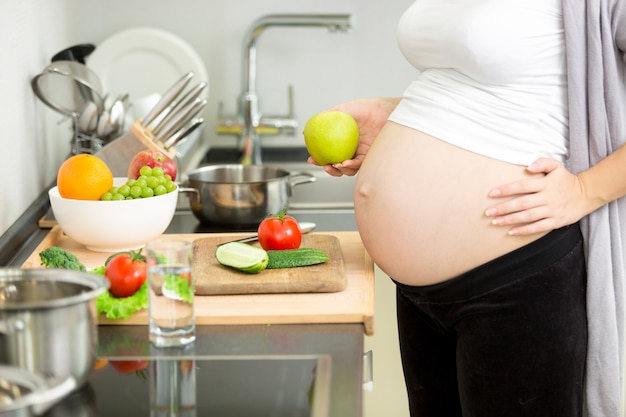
<point>371,115</point>
<point>559,198</point>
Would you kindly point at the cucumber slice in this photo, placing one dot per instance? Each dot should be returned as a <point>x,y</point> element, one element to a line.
<point>243,257</point>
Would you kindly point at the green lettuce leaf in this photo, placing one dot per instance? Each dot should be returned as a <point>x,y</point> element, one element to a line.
<point>122,308</point>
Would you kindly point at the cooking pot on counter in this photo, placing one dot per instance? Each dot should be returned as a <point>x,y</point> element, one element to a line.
<point>48,321</point>
<point>23,393</point>
<point>240,195</point>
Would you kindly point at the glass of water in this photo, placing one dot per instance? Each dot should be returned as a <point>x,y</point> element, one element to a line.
<point>171,292</point>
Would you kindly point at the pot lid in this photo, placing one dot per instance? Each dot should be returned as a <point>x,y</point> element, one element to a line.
<point>22,289</point>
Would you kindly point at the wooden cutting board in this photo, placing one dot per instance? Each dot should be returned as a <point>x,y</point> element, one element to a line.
<point>212,278</point>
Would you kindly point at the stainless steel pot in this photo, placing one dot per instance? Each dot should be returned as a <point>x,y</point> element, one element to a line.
<point>48,321</point>
<point>23,393</point>
<point>240,195</point>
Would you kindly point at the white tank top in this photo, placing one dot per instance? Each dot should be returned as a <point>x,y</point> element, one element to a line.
<point>491,76</point>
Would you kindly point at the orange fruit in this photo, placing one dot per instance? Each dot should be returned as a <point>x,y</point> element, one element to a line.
<point>84,177</point>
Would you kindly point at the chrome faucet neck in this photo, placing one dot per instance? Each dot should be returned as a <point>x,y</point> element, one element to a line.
<point>334,22</point>
<point>250,120</point>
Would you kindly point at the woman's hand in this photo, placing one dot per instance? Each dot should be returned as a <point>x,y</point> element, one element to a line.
<point>370,115</point>
<point>542,203</point>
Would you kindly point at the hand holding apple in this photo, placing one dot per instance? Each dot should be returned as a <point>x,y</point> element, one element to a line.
<point>331,137</point>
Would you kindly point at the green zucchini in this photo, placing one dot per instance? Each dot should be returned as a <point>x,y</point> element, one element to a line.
<point>290,258</point>
<point>242,256</point>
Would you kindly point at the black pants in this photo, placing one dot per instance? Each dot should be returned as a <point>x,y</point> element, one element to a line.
<point>506,339</point>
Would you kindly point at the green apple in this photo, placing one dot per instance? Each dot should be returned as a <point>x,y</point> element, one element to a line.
<point>331,137</point>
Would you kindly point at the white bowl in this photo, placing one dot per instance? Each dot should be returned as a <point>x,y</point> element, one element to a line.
<point>113,226</point>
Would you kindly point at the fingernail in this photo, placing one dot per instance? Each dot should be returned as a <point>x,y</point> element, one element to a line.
<point>490,212</point>
<point>513,232</point>
<point>495,193</point>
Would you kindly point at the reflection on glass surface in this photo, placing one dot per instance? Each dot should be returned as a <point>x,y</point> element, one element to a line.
<point>173,388</point>
<point>274,386</point>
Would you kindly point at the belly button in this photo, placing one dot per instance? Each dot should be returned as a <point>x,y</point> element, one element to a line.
<point>365,190</point>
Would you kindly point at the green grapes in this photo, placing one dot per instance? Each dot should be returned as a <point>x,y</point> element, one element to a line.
<point>152,182</point>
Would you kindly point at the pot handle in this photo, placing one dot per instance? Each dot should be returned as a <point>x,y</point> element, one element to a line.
<point>55,389</point>
<point>195,192</point>
<point>297,178</point>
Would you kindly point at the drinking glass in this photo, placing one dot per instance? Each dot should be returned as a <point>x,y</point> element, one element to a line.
<point>171,292</point>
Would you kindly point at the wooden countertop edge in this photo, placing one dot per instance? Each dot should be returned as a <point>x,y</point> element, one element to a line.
<point>366,321</point>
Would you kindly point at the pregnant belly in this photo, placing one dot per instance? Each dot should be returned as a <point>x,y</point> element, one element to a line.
<point>420,202</point>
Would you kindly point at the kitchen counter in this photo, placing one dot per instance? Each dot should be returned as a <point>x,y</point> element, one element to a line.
<point>338,346</point>
<point>354,304</point>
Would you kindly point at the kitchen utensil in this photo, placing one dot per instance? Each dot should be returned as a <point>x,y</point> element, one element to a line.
<point>88,118</point>
<point>240,195</point>
<point>305,227</point>
<point>76,53</point>
<point>119,153</point>
<point>117,115</point>
<point>180,119</point>
<point>48,320</point>
<point>187,99</point>
<point>24,393</point>
<point>161,108</point>
<point>183,133</point>
<point>68,87</point>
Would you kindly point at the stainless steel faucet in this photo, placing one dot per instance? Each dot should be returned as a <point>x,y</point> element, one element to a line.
<point>250,121</point>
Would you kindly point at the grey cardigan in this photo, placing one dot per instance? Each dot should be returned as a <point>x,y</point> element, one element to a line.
<point>595,33</point>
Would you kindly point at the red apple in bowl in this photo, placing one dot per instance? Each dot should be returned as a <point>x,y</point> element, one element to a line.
<point>152,158</point>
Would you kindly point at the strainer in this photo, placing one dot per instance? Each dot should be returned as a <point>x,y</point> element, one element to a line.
<point>68,87</point>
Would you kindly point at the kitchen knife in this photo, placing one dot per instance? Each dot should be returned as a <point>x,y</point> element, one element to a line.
<point>183,117</point>
<point>167,99</point>
<point>183,133</point>
<point>188,98</point>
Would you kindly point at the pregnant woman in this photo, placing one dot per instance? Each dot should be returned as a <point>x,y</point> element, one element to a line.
<point>491,194</point>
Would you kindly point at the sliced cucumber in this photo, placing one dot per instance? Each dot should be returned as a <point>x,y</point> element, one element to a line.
<point>291,258</point>
<point>242,256</point>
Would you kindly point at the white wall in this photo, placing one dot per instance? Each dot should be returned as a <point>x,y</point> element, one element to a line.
<point>29,154</point>
<point>323,68</point>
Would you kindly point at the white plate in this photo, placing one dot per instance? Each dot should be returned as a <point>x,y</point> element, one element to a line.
<point>144,61</point>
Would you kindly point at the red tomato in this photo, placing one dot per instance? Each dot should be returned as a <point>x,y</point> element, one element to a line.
<point>280,231</point>
<point>127,367</point>
<point>126,272</point>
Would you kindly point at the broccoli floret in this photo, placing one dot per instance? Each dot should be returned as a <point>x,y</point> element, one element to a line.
<point>56,257</point>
